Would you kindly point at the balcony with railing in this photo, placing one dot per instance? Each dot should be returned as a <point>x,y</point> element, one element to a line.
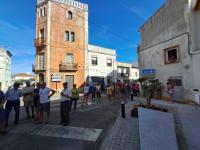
<point>68,67</point>
<point>40,42</point>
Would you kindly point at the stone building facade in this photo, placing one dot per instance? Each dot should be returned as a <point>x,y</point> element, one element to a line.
<point>102,65</point>
<point>5,68</point>
<point>127,72</point>
<point>167,45</point>
<point>61,42</point>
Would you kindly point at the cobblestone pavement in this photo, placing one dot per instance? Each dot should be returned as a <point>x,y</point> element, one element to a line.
<point>124,135</point>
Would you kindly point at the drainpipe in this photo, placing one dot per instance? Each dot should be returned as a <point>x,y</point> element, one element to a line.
<point>189,47</point>
<point>187,17</point>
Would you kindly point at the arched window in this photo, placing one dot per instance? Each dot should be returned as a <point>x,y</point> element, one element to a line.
<point>69,15</point>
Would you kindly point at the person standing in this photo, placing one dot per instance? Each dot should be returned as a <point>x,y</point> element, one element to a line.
<point>28,92</point>
<point>113,90</point>
<point>102,87</point>
<point>75,97</point>
<point>137,89</point>
<point>122,88</point>
<point>132,91</point>
<point>2,112</point>
<point>98,92</point>
<point>109,92</point>
<point>13,100</point>
<point>128,90</point>
<point>117,91</point>
<point>92,90</point>
<point>170,89</point>
<point>36,100</point>
<point>86,94</point>
<point>65,105</point>
<point>45,95</point>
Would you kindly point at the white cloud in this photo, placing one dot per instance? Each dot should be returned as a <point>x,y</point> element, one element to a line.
<point>7,25</point>
<point>138,11</point>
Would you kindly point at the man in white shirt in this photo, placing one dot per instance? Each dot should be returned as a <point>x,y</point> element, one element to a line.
<point>28,98</point>
<point>86,94</point>
<point>45,95</point>
<point>65,105</point>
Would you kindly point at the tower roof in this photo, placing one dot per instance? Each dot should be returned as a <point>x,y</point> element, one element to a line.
<point>73,3</point>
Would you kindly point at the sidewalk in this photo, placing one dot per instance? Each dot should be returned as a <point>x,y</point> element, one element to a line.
<point>124,134</point>
<point>187,118</point>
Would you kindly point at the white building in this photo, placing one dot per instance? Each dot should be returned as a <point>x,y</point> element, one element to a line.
<point>134,73</point>
<point>170,46</point>
<point>101,64</point>
<point>23,77</point>
<point>5,69</point>
<point>126,72</point>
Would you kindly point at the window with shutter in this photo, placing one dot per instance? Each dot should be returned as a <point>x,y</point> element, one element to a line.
<point>70,58</point>
<point>67,36</point>
<point>109,62</point>
<point>72,37</point>
<point>94,61</point>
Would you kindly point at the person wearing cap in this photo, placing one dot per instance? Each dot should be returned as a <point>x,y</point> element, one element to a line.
<point>2,112</point>
<point>13,100</point>
<point>28,92</point>
<point>65,105</point>
<point>45,95</point>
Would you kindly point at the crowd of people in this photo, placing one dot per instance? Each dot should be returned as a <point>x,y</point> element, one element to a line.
<point>123,90</point>
<point>36,100</point>
<point>114,91</point>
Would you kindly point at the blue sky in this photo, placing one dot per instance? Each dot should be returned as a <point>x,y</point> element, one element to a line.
<point>112,24</point>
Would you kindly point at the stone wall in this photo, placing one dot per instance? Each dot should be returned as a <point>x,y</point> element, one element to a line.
<point>167,23</point>
<point>168,28</point>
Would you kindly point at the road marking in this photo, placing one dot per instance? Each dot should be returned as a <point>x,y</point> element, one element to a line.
<point>77,133</point>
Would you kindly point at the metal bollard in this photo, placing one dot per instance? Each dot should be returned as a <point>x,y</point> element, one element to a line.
<point>123,109</point>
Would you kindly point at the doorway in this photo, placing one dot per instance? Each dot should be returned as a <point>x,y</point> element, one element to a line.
<point>70,80</point>
<point>41,77</point>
